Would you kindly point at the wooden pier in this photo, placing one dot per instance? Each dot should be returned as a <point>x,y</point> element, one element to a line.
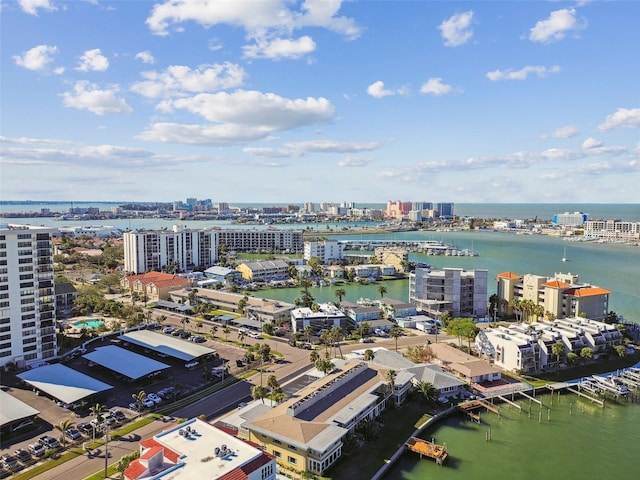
<point>593,399</point>
<point>469,407</point>
<point>428,449</point>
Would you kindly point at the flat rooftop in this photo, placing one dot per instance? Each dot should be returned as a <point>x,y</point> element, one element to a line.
<point>170,345</point>
<point>197,452</point>
<point>14,409</point>
<point>63,383</point>
<point>125,362</point>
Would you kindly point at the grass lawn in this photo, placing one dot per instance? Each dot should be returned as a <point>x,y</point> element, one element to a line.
<point>364,462</point>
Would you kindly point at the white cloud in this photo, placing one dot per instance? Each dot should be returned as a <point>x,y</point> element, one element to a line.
<point>146,57</point>
<point>87,96</point>
<point>179,79</point>
<point>299,149</point>
<point>554,28</point>
<point>377,90</point>
<point>523,73</point>
<point>351,161</point>
<point>278,48</point>
<point>456,30</point>
<point>256,109</point>
<point>434,86</point>
<point>623,117</point>
<point>92,155</point>
<point>222,135</point>
<point>93,61</point>
<point>31,6</point>
<point>36,58</point>
<point>263,16</point>
<point>591,143</point>
<point>567,131</point>
<point>33,141</point>
<point>270,152</point>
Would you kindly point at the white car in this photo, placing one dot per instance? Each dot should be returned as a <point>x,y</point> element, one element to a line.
<point>147,402</point>
<point>154,398</point>
<point>191,364</point>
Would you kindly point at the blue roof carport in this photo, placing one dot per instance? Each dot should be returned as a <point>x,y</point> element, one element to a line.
<point>167,344</point>
<point>63,383</point>
<point>125,362</point>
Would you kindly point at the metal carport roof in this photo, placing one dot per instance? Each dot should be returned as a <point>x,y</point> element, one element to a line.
<point>64,383</point>
<point>125,362</point>
<point>13,409</point>
<point>172,346</point>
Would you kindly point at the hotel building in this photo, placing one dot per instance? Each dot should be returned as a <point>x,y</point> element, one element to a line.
<point>325,250</point>
<point>27,296</point>
<point>612,230</point>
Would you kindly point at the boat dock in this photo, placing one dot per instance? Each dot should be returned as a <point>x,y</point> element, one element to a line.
<point>470,406</point>
<point>428,449</point>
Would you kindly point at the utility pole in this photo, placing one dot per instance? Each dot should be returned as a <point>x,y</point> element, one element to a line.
<point>106,450</point>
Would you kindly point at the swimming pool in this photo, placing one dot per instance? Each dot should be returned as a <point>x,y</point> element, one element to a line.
<point>92,323</point>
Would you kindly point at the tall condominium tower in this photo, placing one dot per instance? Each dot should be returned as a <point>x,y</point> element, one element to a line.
<point>27,298</point>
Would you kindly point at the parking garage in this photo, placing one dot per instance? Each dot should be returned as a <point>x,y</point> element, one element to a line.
<point>15,413</point>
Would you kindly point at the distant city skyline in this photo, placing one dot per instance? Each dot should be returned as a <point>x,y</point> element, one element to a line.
<point>261,102</point>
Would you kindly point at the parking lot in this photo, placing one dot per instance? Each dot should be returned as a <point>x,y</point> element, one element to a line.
<point>120,397</point>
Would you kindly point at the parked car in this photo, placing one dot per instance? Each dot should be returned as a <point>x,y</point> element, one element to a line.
<point>73,433</point>
<point>366,340</point>
<point>36,449</point>
<point>147,402</point>
<point>239,363</point>
<point>9,462</point>
<point>168,329</point>
<point>254,335</point>
<point>97,425</point>
<point>197,339</point>
<point>134,406</point>
<point>22,455</point>
<point>185,335</point>
<point>154,398</point>
<point>110,419</point>
<point>49,442</point>
<point>193,364</point>
<point>118,414</point>
<point>175,333</point>
<point>86,428</point>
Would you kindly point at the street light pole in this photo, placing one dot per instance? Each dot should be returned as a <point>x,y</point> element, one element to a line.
<point>106,450</point>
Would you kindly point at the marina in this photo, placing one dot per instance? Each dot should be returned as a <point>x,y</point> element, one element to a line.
<point>426,247</point>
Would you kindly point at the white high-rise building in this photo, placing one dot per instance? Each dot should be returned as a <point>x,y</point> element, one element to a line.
<point>27,297</point>
<point>460,292</point>
<point>325,250</point>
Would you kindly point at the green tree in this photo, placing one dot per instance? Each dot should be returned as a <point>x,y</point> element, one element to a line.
<point>428,392</point>
<point>272,383</point>
<point>586,353</point>
<point>445,317</point>
<point>214,330</point>
<point>324,365</point>
<point>226,331</point>
<point>620,350</point>
<point>558,350</point>
<point>336,334</point>
<point>241,336</point>
<point>63,426</point>
<point>382,290</point>
<point>391,378</point>
<point>138,397</point>
<point>368,355</point>
<point>308,332</point>
<point>395,333</point>
<point>340,294</point>
<point>572,358</point>
<point>258,392</point>
<point>307,299</point>
<point>314,356</point>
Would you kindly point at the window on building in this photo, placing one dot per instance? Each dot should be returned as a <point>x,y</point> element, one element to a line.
<point>292,460</point>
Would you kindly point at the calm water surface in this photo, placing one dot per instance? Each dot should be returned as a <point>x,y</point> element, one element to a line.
<point>589,443</point>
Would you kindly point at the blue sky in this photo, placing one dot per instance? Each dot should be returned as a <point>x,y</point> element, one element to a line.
<point>282,101</point>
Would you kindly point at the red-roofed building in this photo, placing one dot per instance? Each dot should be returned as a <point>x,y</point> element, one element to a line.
<point>153,286</point>
<point>561,296</point>
<point>197,450</point>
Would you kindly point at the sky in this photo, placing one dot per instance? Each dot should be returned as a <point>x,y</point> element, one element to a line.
<point>283,101</point>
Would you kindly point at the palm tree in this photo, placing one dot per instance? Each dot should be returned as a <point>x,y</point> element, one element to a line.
<point>241,336</point>
<point>138,397</point>
<point>340,294</point>
<point>308,332</point>
<point>382,290</point>
<point>97,410</point>
<point>226,331</point>
<point>185,321</point>
<point>336,334</point>
<point>324,365</point>
<point>428,391</point>
<point>586,353</point>
<point>557,349</point>
<point>214,330</point>
<point>368,355</point>
<point>391,377</point>
<point>272,383</point>
<point>395,333</point>
<point>258,392</point>
<point>161,319</point>
<point>314,356</point>
<point>63,426</point>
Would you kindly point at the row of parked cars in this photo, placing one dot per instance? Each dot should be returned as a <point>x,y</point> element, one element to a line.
<point>184,335</point>
<point>153,399</point>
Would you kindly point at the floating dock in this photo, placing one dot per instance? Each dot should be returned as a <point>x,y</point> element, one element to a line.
<point>428,449</point>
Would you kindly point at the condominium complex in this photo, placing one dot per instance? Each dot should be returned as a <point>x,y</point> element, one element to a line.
<point>417,211</point>
<point>326,250</point>
<point>561,295</point>
<point>460,292</point>
<point>612,230</point>
<point>570,219</point>
<point>27,298</point>
<point>186,250</point>
<point>530,348</point>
